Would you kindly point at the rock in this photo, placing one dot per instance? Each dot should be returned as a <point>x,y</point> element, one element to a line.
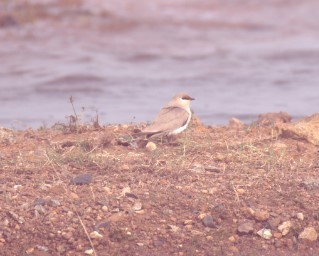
<point>89,252</point>
<point>73,196</point>
<point>54,203</point>
<point>309,234</point>
<point>261,215</point>
<point>188,222</point>
<point>305,129</point>
<point>151,146</point>
<point>39,201</point>
<point>125,191</point>
<point>274,222</point>
<point>140,244</point>
<point>174,228</point>
<point>16,217</point>
<point>265,233</point>
<point>273,118</point>
<point>235,123</point>
<point>137,206</point>
<point>105,208</point>
<point>234,249</point>
<point>95,235</point>
<point>232,239</point>
<point>245,227</point>
<point>310,184</point>
<point>284,228</point>
<point>198,168</point>
<point>83,179</point>
<point>208,221</point>
<point>300,216</point>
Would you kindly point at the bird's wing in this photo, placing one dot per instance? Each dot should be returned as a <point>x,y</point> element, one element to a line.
<point>168,119</point>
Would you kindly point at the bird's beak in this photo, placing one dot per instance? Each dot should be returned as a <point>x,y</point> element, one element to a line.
<point>191,98</point>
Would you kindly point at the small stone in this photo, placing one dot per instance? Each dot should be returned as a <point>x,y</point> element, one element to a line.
<point>151,146</point>
<point>232,239</point>
<point>137,206</point>
<point>300,216</point>
<point>89,252</point>
<point>140,244</point>
<point>54,202</point>
<point>95,235</point>
<point>309,234</point>
<point>274,222</point>
<point>40,209</point>
<point>310,184</point>
<point>107,190</point>
<point>83,179</point>
<point>284,228</point>
<point>208,221</point>
<point>173,228</point>
<point>241,191</point>
<point>73,196</point>
<point>277,235</point>
<point>105,208</point>
<point>265,233</point>
<point>234,249</point>
<point>201,216</point>
<point>126,190</point>
<point>39,201</point>
<point>261,215</point>
<point>251,211</point>
<point>245,227</point>
<point>187,222</point>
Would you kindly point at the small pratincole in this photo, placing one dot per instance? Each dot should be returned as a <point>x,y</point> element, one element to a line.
<point>173,118</point>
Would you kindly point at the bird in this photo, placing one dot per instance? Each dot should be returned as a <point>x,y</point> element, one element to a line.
<point>173,118</point>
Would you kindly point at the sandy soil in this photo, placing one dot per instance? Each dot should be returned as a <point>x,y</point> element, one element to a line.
<point>209,193</point>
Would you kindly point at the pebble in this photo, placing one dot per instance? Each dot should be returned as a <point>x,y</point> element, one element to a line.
<point>208,221</point>
<point>234,249</point>
<point>54,202</point>
<point>73,196</point>
<point>300,216</point>
<point>105,208</point>
<point>274,222</point>
<point>265,233</point>
<point>187,222</point>
<point>245,227</point>
<point>151,146</point>
<point>95,235</point>
<point>126,190</point>
<point>89,252</point>
<point>284,228</point>
<point>173,228</point>
<point>309,234</point>
<point>232,239</point>
<point>261,215</point>
<point>140,244</point>
<point>137,206</point>
<point>83,179</point>
<point>40,209</point>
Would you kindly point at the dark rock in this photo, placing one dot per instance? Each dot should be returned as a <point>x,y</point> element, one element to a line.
<point>131,195</point>
<point>208,221</point>
<point>39,201</point>
<point>83,179</point>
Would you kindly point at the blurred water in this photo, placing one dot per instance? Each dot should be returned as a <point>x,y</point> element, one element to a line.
<point>124,59</point>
